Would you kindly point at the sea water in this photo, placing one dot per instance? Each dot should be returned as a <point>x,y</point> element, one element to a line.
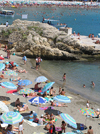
<point>84,21</point>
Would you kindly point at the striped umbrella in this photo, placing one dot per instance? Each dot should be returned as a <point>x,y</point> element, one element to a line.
<point>47,86</point>
<point>11,73</point>
<point>2,66</point>
<point>25,91</point>
<point>11,117</point>
<point>24,82</point>
<point>62,98</point>
<point>40,79</point>
<point>38,100</point>
<point>8,85</point>
<point>69,120</point>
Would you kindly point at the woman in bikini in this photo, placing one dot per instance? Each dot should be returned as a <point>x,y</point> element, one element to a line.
<point>20,109</point>
<point>57,105</point>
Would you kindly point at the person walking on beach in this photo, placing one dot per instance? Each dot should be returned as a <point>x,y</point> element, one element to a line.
<point>20,127</point>
<point>24,59</point>
<point>90,130</point>
<point>38,61</point>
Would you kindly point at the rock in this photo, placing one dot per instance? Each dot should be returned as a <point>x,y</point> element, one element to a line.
<point>35,38</point>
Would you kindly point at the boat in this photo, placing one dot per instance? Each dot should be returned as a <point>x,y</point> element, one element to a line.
<point>55,23</point>
<point>9,13</point>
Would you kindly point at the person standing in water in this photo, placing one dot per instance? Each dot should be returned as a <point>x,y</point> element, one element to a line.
<point>38,61</point>
<point>64,77</point>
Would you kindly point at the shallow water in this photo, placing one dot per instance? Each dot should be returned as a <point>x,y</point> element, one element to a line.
<point>77,74</point>
<point>81,20</point>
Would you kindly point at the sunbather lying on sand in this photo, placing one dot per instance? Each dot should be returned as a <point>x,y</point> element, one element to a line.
<point>20,109</point>
<point>22,71</point>
<point>57,105</point>
<point>17,79</point>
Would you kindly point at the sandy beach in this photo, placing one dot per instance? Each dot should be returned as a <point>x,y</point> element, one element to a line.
<point>77,101</point>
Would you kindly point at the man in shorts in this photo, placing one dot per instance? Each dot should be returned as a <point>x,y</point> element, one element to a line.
<point>38,60</point>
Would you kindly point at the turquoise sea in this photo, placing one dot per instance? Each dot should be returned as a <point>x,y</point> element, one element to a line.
<point>84,21</point>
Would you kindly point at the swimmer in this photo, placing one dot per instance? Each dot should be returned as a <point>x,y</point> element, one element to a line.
<point>84,85</point>
<point>93,84</point>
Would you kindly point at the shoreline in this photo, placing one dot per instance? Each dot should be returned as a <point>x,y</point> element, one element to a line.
<point>68,89</point>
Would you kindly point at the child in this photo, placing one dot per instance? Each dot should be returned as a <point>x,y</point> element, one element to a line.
<point>24,59</point>
<point>20,127</point>
<point>63,126</point>
<point>64,77</point>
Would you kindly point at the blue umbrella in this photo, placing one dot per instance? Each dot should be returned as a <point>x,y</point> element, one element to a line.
<point>62,98</point>
<point>38,100</point>
<point>69,120</point>
<point>24,82</point>
<point>40,79</point>
<point>47,86</point>
<point>8,85</point>
<point>2,66</point>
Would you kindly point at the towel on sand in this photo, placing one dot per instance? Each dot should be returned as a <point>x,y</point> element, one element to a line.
<point>32,123</point>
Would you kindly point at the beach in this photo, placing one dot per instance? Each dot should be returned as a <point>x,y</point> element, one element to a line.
<point>77,101</point>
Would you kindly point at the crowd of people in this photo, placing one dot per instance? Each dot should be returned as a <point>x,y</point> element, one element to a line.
<point>47,119</point>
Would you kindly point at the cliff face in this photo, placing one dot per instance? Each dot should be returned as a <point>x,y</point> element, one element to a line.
<point>35,38</point>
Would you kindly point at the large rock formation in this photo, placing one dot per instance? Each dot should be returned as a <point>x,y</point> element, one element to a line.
<point>35,38</point>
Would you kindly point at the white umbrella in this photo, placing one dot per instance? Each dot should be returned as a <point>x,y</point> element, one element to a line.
<point>3,107</point>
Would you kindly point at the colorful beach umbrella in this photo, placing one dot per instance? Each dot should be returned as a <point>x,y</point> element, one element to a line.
<point>8,85</point>
<point>11,117</point>
<point>69,120</point>
<point>47,86</point>
<point>88,112</point>
<point>62,98</point>
<point>38,100</point>
<point>40,79</point>
<point>3,107</point>
<point>24,82</point>
<point>11,73</point>
<point>2,66</point>
<point>25,91</point>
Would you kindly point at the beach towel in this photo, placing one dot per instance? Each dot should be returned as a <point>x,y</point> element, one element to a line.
<point>45,108</point>
<point>69,97</point>
<point>6,102</point>
<point>33,123</point>
<point>11,91</point>
<point>38,90</point>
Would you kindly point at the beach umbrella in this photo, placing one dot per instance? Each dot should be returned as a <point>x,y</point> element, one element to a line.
<point>11,73</point>
<point>62,98</point>
<point>24,82</point>
<point>8,85</point>
<point>11,117</point>
<point>40,79</point>
<point>67,118</point>
<point>47,86</point>
<point>2,66</point>
<point>25,91</point>
<point>88,112</point>
<point>38,100</point>
<point>3,107</point>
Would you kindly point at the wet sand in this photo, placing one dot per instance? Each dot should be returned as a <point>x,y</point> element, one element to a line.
<point>77,101</point>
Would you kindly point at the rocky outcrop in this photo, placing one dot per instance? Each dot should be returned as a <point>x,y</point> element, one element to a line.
<point>35,38</point>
